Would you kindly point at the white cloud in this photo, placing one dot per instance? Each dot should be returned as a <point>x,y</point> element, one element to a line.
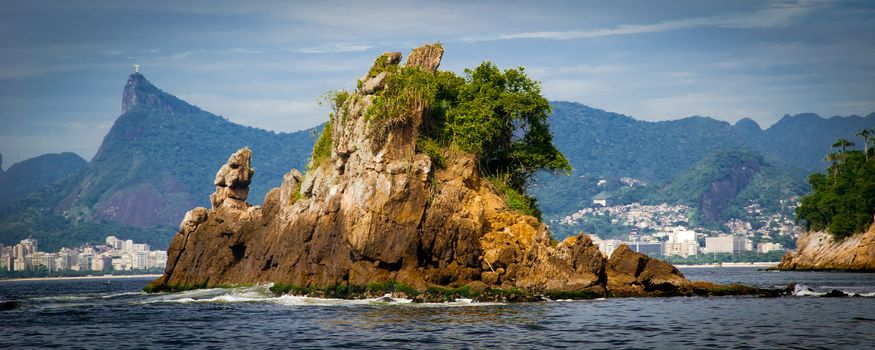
<point>770,16</point>
<point>336,47</point>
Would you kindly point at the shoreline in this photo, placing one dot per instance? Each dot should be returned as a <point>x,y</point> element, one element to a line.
<point>58,278</point>
<point>732,264</point>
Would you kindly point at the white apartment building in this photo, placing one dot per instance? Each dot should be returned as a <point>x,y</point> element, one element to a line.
<point>727,244</point>
<point>114,242</point>
<point>766,247</point>
<point>606,246</point>
<point>681,242</point>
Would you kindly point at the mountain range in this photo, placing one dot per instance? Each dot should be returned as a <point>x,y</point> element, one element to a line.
<point>608,146</point>
<point>148,171</point>
<point>152,165</point>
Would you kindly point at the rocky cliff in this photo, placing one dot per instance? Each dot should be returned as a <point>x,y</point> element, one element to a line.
<point>820,251</point>
<point>371,209</point>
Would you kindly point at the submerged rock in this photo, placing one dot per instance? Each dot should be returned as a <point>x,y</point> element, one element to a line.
<point>9,305</point>
<point>372,216</point>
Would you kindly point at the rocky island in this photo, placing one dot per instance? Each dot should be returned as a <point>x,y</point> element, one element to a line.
<point>387,205</point>
<point>838,213</point>
<point>822,251</point>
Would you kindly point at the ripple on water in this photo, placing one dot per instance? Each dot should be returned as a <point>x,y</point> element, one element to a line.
<point>60,314</point>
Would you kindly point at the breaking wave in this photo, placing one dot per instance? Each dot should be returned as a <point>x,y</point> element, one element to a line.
<point>262,294</point>
<point>801,290</point>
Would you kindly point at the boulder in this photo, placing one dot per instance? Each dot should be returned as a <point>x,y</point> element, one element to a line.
<point>630,272</point>
<point>232,181</point>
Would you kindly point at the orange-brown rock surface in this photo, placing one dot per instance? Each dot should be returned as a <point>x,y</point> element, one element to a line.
<point>820,251</point>
<point>375,210</point>
<point>633,273</point>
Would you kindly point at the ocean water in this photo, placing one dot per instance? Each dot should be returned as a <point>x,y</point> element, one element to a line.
<point>91,314</point>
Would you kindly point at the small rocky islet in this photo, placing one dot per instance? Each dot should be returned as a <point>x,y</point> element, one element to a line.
<point>374,216</point>
<point>819,250</point>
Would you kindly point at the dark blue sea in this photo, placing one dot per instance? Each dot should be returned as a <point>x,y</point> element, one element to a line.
<point>92,314</point>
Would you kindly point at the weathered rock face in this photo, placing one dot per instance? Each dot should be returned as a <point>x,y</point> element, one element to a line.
<point>721,192</point>
<point>232,181</point>
<point>633,273</point>
<point>376,211</point>
<point>819,251</point>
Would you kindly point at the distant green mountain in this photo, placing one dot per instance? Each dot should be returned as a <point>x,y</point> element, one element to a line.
<point>33,174</point>
<point>157,162</point>
<point>604,144</point>
<point>719,185</point>
<point>608,146</point>
<point>161,155</point>
<point>33,216</point>
<point>803,139</point>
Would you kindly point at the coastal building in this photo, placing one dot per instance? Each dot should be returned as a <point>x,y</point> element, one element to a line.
<point>128,245</point>
<point>26,247</point>
<point>158,259</point>
<point>683,249</point>
<point>8,262</point>
<point>49,261</point>
<point>19,265</point>
<point>606,246</point>
<point>65,259</point>
<point>84,261</point>
<point>101,263</point>
<point>116,254</point>
<point>727,244</point>
<point>646,248</point>
<point>113,242</point>
<point>681,242</point>
<point>141,260</point>
<point>766,247</point>
<point>140,247</point>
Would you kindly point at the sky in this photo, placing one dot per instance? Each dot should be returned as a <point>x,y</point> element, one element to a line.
<point>265,64</point>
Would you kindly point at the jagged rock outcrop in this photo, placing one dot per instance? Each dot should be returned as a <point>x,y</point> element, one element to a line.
<point>820,251</point>
<point>232,181</point>
<point>376,211</point>
<point>633,273</point>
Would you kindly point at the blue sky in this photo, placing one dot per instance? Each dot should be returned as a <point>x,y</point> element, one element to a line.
<point>265,64</point>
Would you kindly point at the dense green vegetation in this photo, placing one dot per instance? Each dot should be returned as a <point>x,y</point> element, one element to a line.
<point>498,116</point>
<point>842,201</point>
<point>744,177</point>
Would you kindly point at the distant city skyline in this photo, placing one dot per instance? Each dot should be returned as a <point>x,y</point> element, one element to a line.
<point>266,64</point>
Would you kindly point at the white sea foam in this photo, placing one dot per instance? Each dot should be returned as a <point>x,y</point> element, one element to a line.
<point>76,297</point>
<point>115,295</point>
<point>801,290</point>
<point>262,294</point>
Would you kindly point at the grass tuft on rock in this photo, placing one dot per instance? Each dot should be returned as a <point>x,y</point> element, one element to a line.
<point>322,148</point>
<point>515,200</point>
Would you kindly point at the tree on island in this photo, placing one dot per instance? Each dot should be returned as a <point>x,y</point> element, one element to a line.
<point>498,116</point>
<point>842,201</point>
<point>832,158</point>
<point>865,134</point>
<point>843,144</point>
